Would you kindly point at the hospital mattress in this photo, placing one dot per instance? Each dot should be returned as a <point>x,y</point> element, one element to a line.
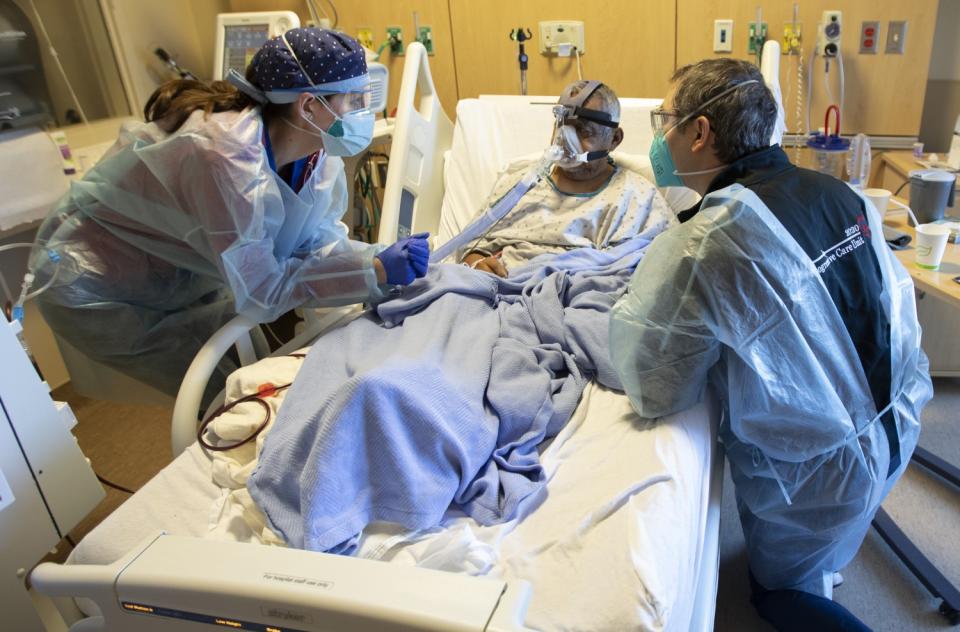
<point>614,542</point>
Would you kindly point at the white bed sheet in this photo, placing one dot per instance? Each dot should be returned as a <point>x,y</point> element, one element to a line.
<point>613,544</point>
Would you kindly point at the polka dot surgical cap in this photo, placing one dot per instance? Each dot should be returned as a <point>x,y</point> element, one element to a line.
<point>305,60</point>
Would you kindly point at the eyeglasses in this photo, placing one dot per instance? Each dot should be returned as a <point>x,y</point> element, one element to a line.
<point>660,118</point>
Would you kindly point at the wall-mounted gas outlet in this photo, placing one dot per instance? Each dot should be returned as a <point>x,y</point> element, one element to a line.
<point>560,37</point>
<point>896,37</point>
<point>756,40</point>
<point>792,38</point>
<point>828,35</point>
<point>869,36</point>
<point>425,37</point>
<point>723,36</point>
<point>395,35</point>
<point>365,37</point>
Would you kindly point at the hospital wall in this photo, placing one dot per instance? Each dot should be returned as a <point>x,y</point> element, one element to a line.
<point>635,46</point>
<point>629,45</point>
<point>882,90</point>
<point>474,54</point>
<point>941,105</point>
<point>377,15</point>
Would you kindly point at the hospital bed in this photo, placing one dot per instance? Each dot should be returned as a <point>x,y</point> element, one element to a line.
<point>626,537</point>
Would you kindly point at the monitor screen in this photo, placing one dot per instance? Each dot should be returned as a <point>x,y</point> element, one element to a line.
<point>240,43</point>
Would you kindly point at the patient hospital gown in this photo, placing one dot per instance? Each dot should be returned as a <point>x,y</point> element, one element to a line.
<point>547,220</point>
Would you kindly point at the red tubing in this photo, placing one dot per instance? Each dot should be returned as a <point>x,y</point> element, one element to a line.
<point>826,121</point>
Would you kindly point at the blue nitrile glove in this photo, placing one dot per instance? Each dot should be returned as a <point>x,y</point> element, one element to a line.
<point>406,260</point>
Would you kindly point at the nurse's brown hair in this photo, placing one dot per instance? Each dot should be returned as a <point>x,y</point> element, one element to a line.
<point>171,103</point>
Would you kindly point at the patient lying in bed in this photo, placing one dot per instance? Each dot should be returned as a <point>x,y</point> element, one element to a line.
<point>584,203</point>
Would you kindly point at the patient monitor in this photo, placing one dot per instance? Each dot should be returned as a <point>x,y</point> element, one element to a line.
<point>240,35</point>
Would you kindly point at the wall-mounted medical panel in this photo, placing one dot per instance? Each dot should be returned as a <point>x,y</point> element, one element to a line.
<point>883,93</point>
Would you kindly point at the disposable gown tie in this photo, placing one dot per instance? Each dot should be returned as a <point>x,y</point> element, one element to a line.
<point>731,295</point>
<point>171,235</point>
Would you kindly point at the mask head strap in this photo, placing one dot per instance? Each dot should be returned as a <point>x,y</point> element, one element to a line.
<point>297,60</point>
<point>712,99</point>
<point>575,110</point>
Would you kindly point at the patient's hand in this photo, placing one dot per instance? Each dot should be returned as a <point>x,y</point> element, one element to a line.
<point>489,264</point>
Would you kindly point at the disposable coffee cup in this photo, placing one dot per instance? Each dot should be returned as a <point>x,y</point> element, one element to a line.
<point>880,199</point>
<point>931,242</point>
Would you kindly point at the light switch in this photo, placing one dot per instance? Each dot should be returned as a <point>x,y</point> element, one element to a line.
<point>723,36</point>
<point>896,37</point>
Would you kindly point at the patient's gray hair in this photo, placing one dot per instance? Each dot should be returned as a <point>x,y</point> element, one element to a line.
<point>603,99</point>
<point>742,120</point>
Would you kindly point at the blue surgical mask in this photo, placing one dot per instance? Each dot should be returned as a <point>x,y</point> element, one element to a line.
<point>349,135</point>
<point>664,170</point>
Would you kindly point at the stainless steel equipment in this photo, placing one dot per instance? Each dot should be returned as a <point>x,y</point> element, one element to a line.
<point>24,100</point>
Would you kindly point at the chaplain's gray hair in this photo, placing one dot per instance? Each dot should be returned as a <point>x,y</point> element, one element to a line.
<point>743,120</point>
<point>603,99</point>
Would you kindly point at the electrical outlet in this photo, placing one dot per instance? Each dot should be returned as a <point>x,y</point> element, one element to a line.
<point>896,37</point>
<point>792,38</point>
<point>869,36</point>
<point>365,37</point>
<point>756,41</point>
<point>723,36</point>
<point>560,37</point>
<point>425,37</point>
<point>395,35</point>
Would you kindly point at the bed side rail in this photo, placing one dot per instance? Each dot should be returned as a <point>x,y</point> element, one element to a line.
<point>247,337</point>
<point>413,194</point>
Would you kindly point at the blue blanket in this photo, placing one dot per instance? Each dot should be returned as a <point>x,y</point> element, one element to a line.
<point>439,397</point>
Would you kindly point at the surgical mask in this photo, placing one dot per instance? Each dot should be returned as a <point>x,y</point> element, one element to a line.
<point>349,134</point>
<point>665,172</point>
<point>661,160</point>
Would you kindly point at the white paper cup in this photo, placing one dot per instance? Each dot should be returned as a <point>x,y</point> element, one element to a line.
<point>931,242</point>
<point>880,199</point>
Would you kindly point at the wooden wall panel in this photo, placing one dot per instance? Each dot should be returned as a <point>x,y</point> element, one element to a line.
<point>634,46</point>
<point>629,45</point>
<point>378,15</point>
<point>884,92</point>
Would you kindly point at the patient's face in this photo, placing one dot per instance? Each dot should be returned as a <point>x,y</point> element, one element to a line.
<point>593,137</point>
<point>590,140</point>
